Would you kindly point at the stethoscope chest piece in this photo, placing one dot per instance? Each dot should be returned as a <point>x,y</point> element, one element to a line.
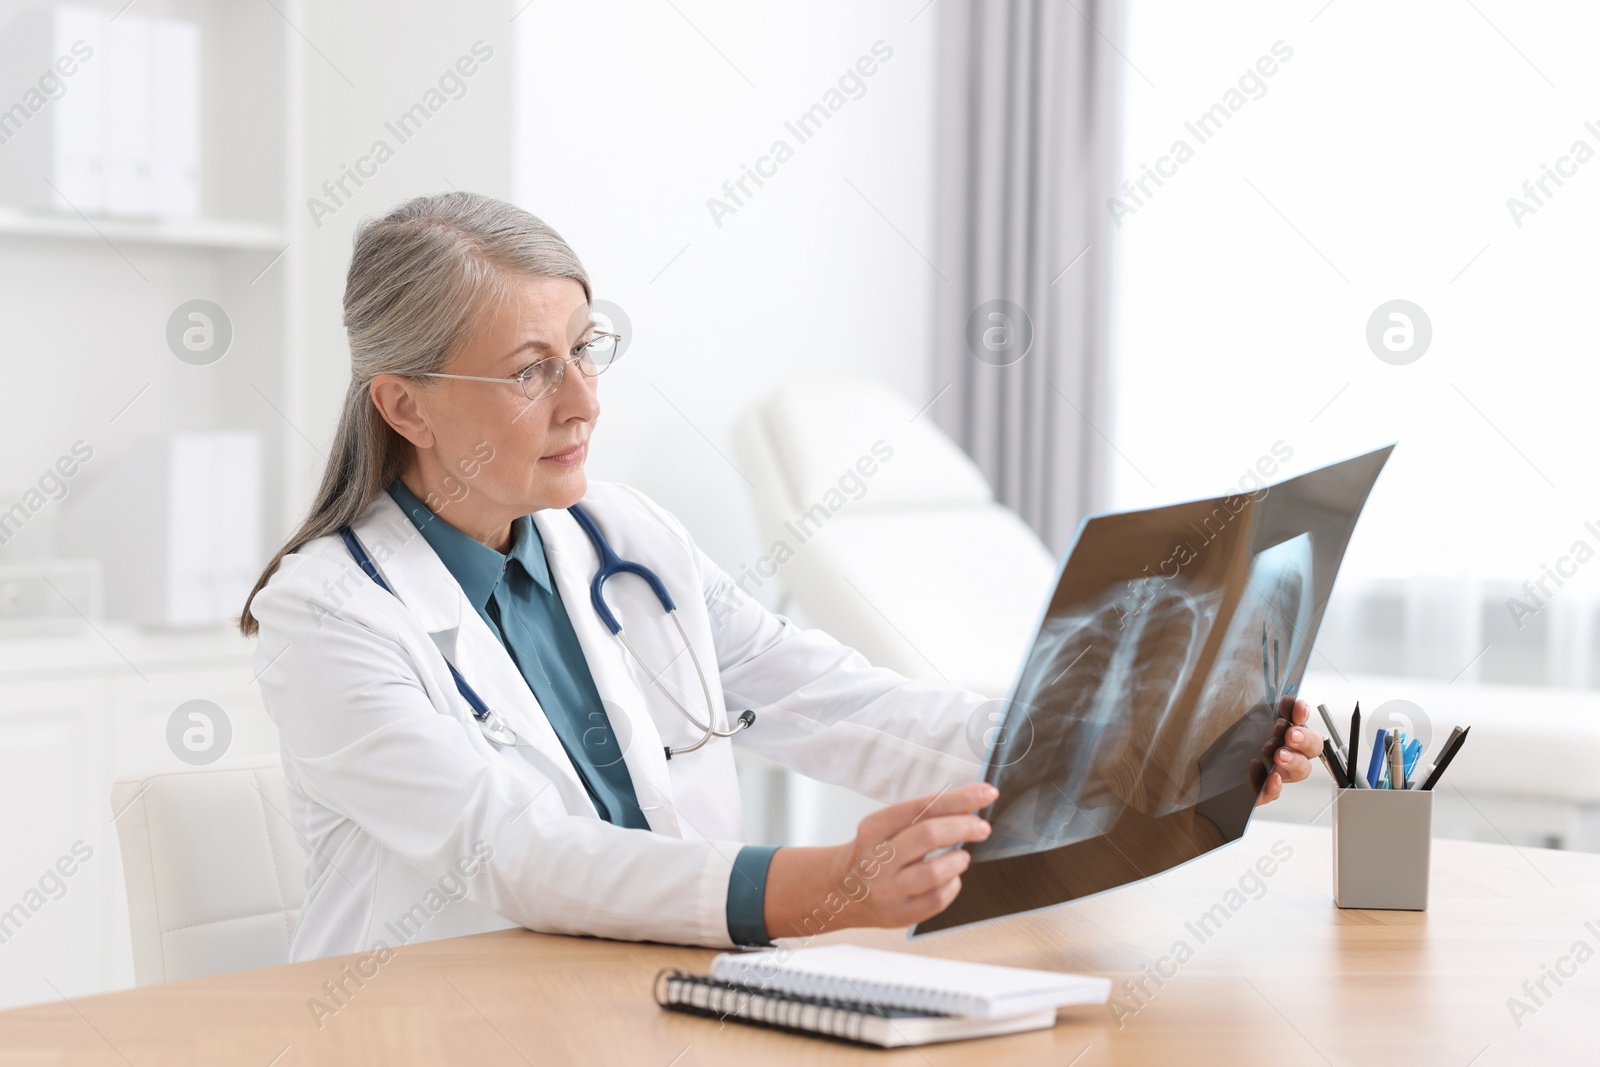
<point>496,730</point>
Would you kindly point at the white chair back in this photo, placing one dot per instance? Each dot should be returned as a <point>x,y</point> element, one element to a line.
<point>886,535</point>
<point>215,870</point>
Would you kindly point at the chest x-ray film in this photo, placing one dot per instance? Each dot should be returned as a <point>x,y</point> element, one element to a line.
<point>1138,733</point>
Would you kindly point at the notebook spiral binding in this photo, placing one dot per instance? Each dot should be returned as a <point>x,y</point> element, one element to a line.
<point>701,995</point>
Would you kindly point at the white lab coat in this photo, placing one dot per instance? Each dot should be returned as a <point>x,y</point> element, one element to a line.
<point>400,797</point>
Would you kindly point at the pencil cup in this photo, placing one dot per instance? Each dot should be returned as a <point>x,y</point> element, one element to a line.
<point>1381,841</point>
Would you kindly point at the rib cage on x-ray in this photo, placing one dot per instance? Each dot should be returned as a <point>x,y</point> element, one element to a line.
<point>1076,753</point>
<point>1107,729</point>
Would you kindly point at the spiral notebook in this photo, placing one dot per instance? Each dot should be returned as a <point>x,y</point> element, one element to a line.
<point>875,997</point>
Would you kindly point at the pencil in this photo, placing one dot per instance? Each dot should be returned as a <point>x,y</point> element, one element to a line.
<point>1330,760</point>
<point>1354,760</point>
<point>1445,757</point>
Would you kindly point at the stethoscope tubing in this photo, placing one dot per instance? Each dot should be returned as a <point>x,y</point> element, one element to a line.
<point>491,724</point>
<point>611,564</point>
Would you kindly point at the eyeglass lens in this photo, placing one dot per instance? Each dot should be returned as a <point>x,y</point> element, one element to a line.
<point>545,376</point>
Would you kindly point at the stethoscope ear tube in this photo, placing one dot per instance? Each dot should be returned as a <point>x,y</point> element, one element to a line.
<point>746,720</point>
<point>611,564</point>
<point>708,729</point>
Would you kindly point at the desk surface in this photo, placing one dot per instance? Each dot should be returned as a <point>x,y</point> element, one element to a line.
<point>1277,976</point>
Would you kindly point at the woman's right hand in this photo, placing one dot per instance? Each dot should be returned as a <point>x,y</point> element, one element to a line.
<point>881,878</point>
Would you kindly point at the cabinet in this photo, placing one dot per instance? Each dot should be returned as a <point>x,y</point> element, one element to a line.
<point>87,298</point>
<point>74,716</point>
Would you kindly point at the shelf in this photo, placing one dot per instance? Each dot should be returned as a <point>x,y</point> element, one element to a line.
<point>191,233</point>
<point>120,650</point>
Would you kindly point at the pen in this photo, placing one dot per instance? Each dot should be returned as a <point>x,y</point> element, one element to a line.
<point>1455,732</point>
<point>1330,760</point>
<point>1355,745</point>
<point>1375,765</point>
<point>1333,731</point>
<point>1397,769</point>
<point>1413,753</point>
<point>1445,757</point>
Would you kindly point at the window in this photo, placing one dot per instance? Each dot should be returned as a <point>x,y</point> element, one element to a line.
<point>1303,169</point>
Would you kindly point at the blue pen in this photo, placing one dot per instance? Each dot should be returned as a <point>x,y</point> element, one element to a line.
<point>1413,753</point>
<point>1375,764</point>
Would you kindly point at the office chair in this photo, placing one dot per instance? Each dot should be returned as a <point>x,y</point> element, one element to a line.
<point>215,871</point>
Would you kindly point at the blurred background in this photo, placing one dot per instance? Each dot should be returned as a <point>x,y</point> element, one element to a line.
<point>1055,258</point>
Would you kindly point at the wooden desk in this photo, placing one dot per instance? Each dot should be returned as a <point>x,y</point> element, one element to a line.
<point>1281,978</point>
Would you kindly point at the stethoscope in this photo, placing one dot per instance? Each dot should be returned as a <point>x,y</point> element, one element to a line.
<point>494,727</point>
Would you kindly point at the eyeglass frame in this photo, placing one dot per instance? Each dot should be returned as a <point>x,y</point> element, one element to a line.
<point>527,372</point>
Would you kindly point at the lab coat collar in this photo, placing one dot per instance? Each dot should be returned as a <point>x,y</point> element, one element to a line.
<point>475,565</point>
<point>410,566</point>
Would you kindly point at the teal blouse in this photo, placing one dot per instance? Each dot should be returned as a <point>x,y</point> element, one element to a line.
<point>514,594</point>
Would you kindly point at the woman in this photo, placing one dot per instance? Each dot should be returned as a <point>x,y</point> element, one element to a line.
<point>462,442</point>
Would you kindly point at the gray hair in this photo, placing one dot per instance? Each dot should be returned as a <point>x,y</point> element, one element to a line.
<point>419,276</point>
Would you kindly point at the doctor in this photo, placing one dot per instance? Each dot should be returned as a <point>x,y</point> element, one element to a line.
<point>467,744</point>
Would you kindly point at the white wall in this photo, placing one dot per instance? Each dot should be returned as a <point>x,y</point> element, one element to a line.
<point>628,119</point>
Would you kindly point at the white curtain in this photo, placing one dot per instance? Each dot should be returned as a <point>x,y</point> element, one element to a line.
<point>1028,111</point>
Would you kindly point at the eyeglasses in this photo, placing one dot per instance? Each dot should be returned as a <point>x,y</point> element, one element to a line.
<point>543,378</point>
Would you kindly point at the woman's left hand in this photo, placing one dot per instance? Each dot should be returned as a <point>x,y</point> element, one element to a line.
<point>1294,745</point>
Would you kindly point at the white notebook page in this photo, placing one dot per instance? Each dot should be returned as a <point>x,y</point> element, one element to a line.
<point>904,980</point>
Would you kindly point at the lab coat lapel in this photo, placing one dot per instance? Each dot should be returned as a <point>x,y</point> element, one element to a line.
<point>431,593</point>
<point>573,564</point>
